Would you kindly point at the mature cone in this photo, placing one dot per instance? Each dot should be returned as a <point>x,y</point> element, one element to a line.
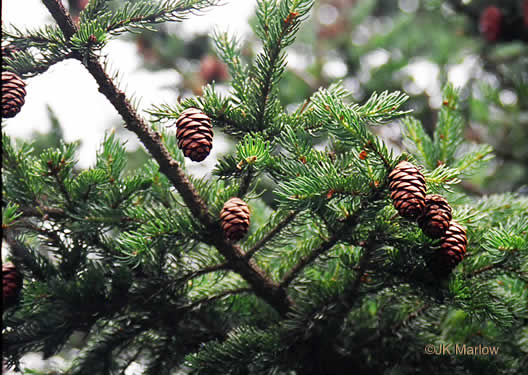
<point>436,217</point>
<point>490,23</point>
<point>451,252</point>
<point>407,186</point>
<point>13,93</point>
<point>11,283</point>
<point>194,133</point>
<point>235,219</point>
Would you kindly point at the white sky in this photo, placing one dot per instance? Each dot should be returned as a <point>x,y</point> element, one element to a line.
<point>72,93</point>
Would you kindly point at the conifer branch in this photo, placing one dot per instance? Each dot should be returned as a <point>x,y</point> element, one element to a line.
<point>28,66</point>
<point>350,295</point>
<point>150,139</point>
<point>168,10</point>
<point>393,330</point>
<point>396,327</point>
<point>245,182</point>
<point>487,268</point>
<point>134,122</point>
<point>308,259</point>
<point>41,210</point>
<point>268,77</point>
<point>192,275</point>
<point>218,296</point>
<point>276,28</point>
<point>62,17</point>
<point>60,184</point>
<point>206,270</point>
<point>34,262</point>
<point>271,234</point>
<point>348,225</point>
<point>343,305</point>
<point>262,285</point>
<point>499,267</point>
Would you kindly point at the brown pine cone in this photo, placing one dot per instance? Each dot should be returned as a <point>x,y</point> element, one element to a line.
<point>13,94</point>
<point>436,217</point>
<point>11,284</point>
<point>451,252</point>
<point>194,133</point>
<point>407,186</point>
<point>235,219</point>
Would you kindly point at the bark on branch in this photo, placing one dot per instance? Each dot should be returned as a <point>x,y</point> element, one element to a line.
<point>263,286</point>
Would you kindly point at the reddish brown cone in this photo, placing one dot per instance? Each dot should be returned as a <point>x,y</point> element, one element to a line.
<point>436,217</point>
<point>235,219</point>
<point>194,133</point>
<point>451,252</point>
<point>490,23</point>
<point>13,94</point>
<point>11,284</point>
<point>407,186</point>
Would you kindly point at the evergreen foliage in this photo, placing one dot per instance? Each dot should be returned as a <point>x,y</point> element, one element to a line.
<point>328,281</point>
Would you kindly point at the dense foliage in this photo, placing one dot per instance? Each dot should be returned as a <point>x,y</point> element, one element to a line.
<point>329,280</point>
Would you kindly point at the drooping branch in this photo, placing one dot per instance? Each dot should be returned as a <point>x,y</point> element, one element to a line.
<point>262,285</point>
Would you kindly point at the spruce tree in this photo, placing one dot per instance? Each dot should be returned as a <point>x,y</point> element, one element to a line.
<point>199,275</point>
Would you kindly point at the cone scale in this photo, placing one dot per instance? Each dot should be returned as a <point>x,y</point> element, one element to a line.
<point>436,217</point>
<point>194,133</point>
<point>235,219</point>
<point>451,251</point>
<point>407,186</point>
<point>13,94</point>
